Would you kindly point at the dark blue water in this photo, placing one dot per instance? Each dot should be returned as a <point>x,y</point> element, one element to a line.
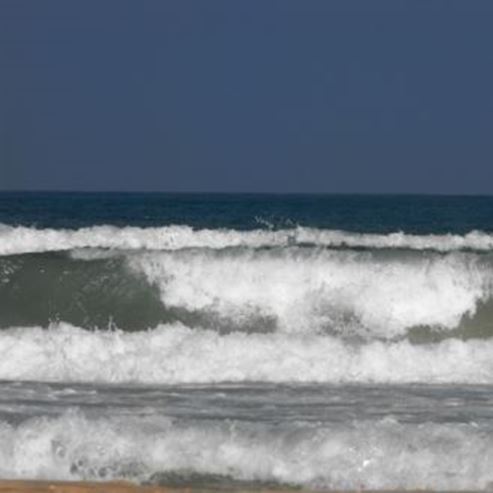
<point>364,213</point>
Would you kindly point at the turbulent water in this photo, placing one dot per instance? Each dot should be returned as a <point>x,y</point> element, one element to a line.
<point>324,342</point>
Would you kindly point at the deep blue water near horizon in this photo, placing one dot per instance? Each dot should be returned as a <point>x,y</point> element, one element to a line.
<point>247,341</point>
<point>418,214</point>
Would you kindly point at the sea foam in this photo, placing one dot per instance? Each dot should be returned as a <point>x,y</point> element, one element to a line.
<point>362,455</point>
<point>317,290</point>
<point>175,354</point>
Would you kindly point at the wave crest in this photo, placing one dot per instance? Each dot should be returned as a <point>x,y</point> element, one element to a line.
<point>351,294</point>
<point>346,293</point>
<point>14,240</point>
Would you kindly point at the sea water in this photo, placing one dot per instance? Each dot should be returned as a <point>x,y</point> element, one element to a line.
<point>316,341</point>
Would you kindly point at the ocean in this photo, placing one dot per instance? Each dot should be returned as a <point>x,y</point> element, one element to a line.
<point>313,341</point>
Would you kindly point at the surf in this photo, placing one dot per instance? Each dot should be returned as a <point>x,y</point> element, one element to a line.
<point>156,449</point>
<point>23,239</point>
<point>350,294</point>
<point>176,354</point>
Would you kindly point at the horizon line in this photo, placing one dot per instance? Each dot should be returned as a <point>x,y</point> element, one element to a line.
<point>244,193</point>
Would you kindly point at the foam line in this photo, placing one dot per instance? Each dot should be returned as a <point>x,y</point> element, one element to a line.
<point>14,240</point>
<point>382,455</point>
<point>174,354</point>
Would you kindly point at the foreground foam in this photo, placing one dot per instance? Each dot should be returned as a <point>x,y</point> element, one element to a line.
<point>21,239</point>
<point>359,455</point>
<point>177,354</point>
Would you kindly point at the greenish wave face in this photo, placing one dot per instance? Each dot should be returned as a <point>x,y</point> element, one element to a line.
<point>353,295</point>
<point>100,293</point>
<point>37,289</point>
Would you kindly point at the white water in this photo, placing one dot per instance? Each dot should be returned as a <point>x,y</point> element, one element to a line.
<point>21,239</point>
<point>312,301</point>
<point>370,455</point>
<point>321,290</point>
<point>176,354</point>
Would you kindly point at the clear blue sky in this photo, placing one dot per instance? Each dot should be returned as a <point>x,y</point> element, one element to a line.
<point>247,95</point>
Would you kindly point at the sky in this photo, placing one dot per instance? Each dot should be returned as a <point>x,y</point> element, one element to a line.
<point>247,96</point>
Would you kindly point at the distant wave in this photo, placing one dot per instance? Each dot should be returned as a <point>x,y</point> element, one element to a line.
<point>14,240</point>
<point>175,354</point>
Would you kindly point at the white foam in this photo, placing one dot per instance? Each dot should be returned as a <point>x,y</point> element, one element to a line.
<point>27,240</point>
<point>364,455</point>
<point>176,354</point>
<point>317,289</point>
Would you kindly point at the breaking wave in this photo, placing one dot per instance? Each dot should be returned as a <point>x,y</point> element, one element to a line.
<point>218,305</point>
<point>368,295</point>
<point>362,455</point>
<point>342,292</point>
<point>174,354</point>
